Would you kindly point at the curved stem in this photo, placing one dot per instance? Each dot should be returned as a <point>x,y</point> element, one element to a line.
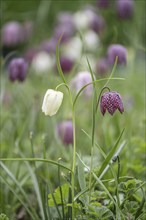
<point>62,84</point>
<point>36,160</point>
<point>95,81</point>
<point>105,87</point>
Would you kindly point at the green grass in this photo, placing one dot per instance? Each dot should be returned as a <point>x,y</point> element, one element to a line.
<point>40,178</point>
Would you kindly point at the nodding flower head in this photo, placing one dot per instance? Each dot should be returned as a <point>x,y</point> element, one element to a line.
<point>111,101</point>
<point>17,69</point>
<point>125,8</point>
<point>117,50</point>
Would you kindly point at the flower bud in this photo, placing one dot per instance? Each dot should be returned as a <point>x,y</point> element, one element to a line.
<point>125,8</point>
<point>17,69</point>
<point>80,80</point>
<point>65,132</point>
<point>117,50</point>
<point>111,101</point>
<point>52,102</point>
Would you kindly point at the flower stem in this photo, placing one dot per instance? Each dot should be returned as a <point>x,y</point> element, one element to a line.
<point>73,162</point>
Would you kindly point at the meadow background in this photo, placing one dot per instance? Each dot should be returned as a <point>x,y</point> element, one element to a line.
<point>24,127</point>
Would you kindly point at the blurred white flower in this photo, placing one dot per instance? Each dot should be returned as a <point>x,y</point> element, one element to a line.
<point>42,62</point>
<point>73,48</point>
<point>81,20</point>
<point>91,40</point>
<point>52,102</point>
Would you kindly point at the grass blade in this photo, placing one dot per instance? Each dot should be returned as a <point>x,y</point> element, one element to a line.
<point>110,155</point>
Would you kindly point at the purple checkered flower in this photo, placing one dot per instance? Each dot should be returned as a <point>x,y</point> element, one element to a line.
<point>125,8</point>
<point>111,101</point>
<point>65,132</point>
<point>17,69</point>
<point>117,50</point>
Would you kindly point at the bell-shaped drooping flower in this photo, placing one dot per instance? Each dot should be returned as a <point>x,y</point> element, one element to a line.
<point>52,102</point>
<point>64,131</point>
<point>111,101</point>
<point>17,69</point>
<point>125,8</point>
<point>119,51</point>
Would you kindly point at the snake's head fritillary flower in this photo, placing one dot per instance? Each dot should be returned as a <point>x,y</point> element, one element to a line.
<point>52,102</point>
<point>125,8</point>
<point>111,101</point>
<point>17,69</point>
<point>117,50</point>
<point>64,131</point>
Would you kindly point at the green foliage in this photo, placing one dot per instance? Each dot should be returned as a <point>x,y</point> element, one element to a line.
<point>57,197</point>
<point>3,217</point>
<point>104,188</point>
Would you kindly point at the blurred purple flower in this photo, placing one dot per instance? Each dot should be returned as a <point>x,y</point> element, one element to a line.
<point>102,66</point>
<point>103,3</point>
<point>119,51</point>
<point>65,18</point>
<point>49,45</point>
<point>30,54</point>
<point>12,34</point>
<point>65,132</point>
<point>66,31</point>
<point>111,101</point>
<point>66,64</point>
<point>125,8</point>
<point>17,69</point>
<point>97,23</point>
<point>80,80</point>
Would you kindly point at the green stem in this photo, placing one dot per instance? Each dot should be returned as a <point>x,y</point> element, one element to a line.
<point>36,160</point>
<point>73,162</point>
